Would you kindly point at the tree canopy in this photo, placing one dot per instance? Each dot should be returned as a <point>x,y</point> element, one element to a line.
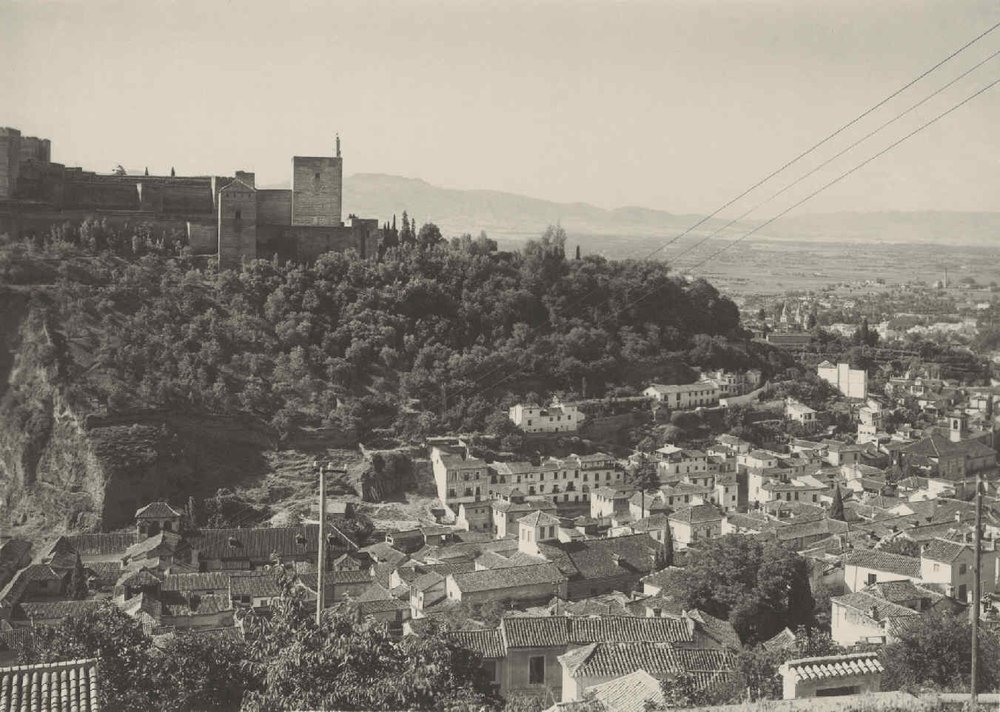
<point>433,335</point>
<point>759,587</point>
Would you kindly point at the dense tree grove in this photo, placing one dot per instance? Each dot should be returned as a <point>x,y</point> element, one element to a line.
<point>759,587</point>
<point>434,334</point>
<point>286,662</point>
<point>935,651</point>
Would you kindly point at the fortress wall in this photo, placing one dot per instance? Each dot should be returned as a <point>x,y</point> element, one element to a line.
<point>274,207</point>
<point>272,241</point>
<point>35,149</point>
<point>44,182</point>
<point>311,242</point>
<point>10,161</point>
<point>187,198</point>
<point>317,190</point>
<point>98,193</point>
<point>203,238</point>
<point>237,226</point>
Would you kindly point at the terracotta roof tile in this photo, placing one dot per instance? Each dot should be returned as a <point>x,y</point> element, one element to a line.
<point>616,659</point>
<point>70,686</point>
<point>487,643</point>
<point>884,561</point>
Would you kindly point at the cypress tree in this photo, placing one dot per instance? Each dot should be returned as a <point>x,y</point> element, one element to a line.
<point>77,582</point>
<point>837,507</point>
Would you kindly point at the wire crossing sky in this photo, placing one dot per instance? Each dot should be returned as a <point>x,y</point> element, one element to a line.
<point>670,105</point>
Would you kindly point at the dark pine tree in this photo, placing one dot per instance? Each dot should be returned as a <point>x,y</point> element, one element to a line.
<point>77,582</point>
<point>837,507</point>
<point>665,555</point>
<point>578,252</point>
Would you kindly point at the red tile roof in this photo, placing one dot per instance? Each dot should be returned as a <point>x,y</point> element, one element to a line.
<point>616,659</point>
<point>56,687</point>
<point>883,561</point>
<point>157,510</point>
<point>487,643</point>
<point>560,631</point>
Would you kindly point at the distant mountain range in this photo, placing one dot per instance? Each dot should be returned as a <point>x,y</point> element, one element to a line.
<point>513,218</point>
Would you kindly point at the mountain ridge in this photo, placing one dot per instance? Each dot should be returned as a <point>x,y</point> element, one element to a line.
<point>511,218</point>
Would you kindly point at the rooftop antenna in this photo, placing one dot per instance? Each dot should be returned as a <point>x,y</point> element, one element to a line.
<point>338,145</point>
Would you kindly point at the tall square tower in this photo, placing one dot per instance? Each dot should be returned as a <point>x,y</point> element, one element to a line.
<point>317,190</point>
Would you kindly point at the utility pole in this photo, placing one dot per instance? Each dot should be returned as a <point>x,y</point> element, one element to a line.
<point>976,575</point>
<point>321,564</point>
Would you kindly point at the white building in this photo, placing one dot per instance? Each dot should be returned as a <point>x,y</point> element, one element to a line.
<point>732,383</point>
<point>555,418</point>
<point>691,395</point>
<point>853,383</point>
<point>801,413</point>
<point>458,478</point>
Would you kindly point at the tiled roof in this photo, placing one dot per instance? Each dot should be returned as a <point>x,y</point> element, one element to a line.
<point>161,543</point>
<point>697,514</point>
<point>719,631</point>
<point>944,551</point>
<point>619,629</point>
<point>867,604</point>
<point>48,610</point>
<point>102,544</point>
<point>559,631</point>
<point>937,445</point>
<point>616,659</point>
<point>487,643</point>
<point>70,686</point>
<point>538,518</point>
<point>634,692</point>
<point>834,666</point>
<point>381,605</point>
<point>603,558</point>
<point>781,641</point>
<point>901,592</point>
<point>500,579</point>
<point>205,581</point>
<point>256,544</point>
<point>257,584</point>
<point>189,604</point>
<point>157,510</point>
<point>884,561</point>
<point>142,577</point>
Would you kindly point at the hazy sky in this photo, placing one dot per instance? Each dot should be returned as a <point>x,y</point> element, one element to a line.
<point>674,105</point>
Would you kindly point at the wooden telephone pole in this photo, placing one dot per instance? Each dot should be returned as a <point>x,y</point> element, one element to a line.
<point>976,586</point>
<point>321,564</point>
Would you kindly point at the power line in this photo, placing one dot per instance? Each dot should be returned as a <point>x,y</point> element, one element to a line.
<point>830,160</point>
<point>831,136</point>
<point>438,401</point>
<point>816,192</point>
<point>845,174</point>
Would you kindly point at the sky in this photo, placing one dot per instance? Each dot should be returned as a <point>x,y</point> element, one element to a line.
<point>677,105</point>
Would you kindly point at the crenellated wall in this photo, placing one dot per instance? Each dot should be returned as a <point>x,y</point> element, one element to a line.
<point>234,220</point>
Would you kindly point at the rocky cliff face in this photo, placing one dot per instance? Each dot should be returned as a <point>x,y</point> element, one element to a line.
<point>65,466</point>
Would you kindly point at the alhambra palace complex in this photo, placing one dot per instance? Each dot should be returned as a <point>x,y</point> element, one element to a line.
<point>224,215</point>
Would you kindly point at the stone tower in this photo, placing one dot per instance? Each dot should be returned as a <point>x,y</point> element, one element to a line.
<point>237,224</point>
<point>317,189</point>
<point>10,161</point>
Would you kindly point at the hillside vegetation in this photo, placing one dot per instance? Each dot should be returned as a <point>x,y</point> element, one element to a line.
<point>122,354</point>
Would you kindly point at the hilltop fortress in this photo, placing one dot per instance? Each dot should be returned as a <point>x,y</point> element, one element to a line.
<point>223,215</point>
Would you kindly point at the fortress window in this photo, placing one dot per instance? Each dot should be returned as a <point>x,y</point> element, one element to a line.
<point>316,176</point>
<point>237,215</point>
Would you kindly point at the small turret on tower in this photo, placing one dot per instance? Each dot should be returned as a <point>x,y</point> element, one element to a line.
<point>338,145</point>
